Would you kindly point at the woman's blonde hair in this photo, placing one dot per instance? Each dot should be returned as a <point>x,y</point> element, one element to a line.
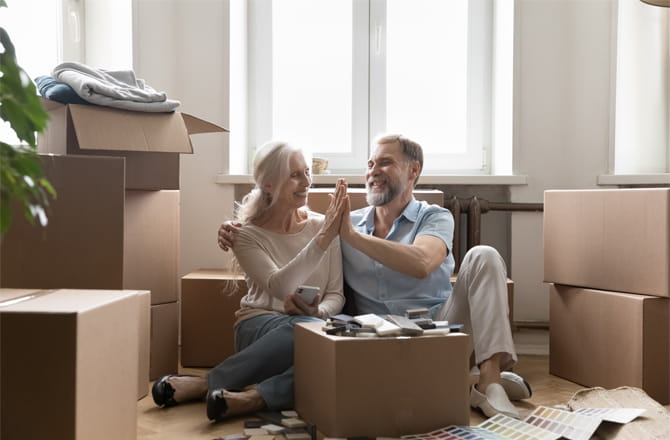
<point>271,168</point>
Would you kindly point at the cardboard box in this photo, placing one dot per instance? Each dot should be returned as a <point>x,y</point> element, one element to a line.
<point>363,387</point>
<point>144,346</point>
<point>208,306</point>
<point>66,357</point>
<point>610,339</point>
<point>616,239</point>
<point>164,340</point>
<point>151,244</point>
<point>318,198</point>
<point>101,236</point>
<point>150,142</point>
<point>84,233</point>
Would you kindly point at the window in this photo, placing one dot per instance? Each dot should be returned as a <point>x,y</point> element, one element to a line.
<point>331,75</point>
<point>62,27</point>
<point>37,56</point>
<point>642,111</point>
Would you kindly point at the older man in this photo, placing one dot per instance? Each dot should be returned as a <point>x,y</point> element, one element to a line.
<point>397,255</point>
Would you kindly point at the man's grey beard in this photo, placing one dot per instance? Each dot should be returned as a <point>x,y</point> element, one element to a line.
<point>392,190</point>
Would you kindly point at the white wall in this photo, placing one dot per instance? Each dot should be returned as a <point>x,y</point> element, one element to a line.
<point>562,107</point>
<point>563,74</point>
<point>182,47</point>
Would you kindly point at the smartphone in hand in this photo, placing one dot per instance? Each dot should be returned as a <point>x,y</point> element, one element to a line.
<point>307,293</point>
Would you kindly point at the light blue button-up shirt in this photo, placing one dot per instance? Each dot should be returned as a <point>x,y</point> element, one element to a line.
<point>381,290</point>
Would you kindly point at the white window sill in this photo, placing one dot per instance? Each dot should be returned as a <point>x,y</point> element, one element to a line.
<point>427,179</point>
<point>634,179</point>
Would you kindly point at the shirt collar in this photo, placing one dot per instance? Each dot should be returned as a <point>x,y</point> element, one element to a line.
<point>412,209</point>
<point>411,213</point>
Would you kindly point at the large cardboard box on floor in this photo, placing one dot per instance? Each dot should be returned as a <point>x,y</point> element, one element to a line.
<point>609,239</point>
<point>150,142</point>
<point>365,387</point>
<point>318,198</point>
<point>610,339</point>
<point>209,300</point>
<point>99,235</point>
<point>164,340</point>
<point>66,357</point>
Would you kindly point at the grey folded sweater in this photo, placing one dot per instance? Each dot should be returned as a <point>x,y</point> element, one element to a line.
<point>119,89</point>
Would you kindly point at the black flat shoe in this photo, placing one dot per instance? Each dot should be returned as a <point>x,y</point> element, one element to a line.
<point>216,405</point>
<point>163,392</point>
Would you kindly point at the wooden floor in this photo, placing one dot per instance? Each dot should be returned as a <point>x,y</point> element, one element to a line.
<point>190,422</point>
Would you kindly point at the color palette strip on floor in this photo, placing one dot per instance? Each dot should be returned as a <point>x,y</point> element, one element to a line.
<point>542,424</point>
<point>616,415</point>
<point>565,423</point>
<point>496,428</point>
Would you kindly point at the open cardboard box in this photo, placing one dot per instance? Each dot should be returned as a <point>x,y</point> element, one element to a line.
<point>66,358</point>
<point>150,142</point>
<point>371,387</point>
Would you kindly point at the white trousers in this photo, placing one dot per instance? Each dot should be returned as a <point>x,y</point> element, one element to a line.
<point>479,302</point>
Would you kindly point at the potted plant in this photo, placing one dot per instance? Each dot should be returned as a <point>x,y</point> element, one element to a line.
<point>21,175</point>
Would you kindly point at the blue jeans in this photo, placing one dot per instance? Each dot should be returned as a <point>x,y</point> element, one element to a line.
<point>264,356</point>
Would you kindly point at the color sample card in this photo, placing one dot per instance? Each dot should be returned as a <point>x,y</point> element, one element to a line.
<point>567,424</point>
<point>543,424</point>
<point>454,432</point>
<point>510,428</point>
<point>616,415</point>
<point>499,427</point>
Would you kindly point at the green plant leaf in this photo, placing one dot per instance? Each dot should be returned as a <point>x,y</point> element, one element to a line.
<point>19,103</point>
<point>5,216</point>
<point>21,174</point>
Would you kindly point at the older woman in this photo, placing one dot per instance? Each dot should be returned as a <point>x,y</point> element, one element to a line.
<point>281,246</point>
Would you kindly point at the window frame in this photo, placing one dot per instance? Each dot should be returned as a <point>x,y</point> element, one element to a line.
<point>256,122</point>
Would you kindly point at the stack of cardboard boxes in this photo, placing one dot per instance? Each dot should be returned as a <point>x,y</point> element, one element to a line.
<point>607,253</point>
<point>115,222</point>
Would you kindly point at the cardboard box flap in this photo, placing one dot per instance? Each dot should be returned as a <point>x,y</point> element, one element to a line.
<point>196,125</point>
<point>105,128</point>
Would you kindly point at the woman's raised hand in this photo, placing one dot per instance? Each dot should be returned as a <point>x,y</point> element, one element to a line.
<point>336,213</point>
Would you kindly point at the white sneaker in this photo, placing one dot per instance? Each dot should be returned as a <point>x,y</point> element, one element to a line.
<point>515,386</point>
<point>494,402</point>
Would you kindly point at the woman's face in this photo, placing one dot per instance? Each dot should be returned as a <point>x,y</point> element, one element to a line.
<point>293,192</point>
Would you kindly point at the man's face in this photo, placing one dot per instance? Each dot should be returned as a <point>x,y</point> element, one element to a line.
<point>387,175</point>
